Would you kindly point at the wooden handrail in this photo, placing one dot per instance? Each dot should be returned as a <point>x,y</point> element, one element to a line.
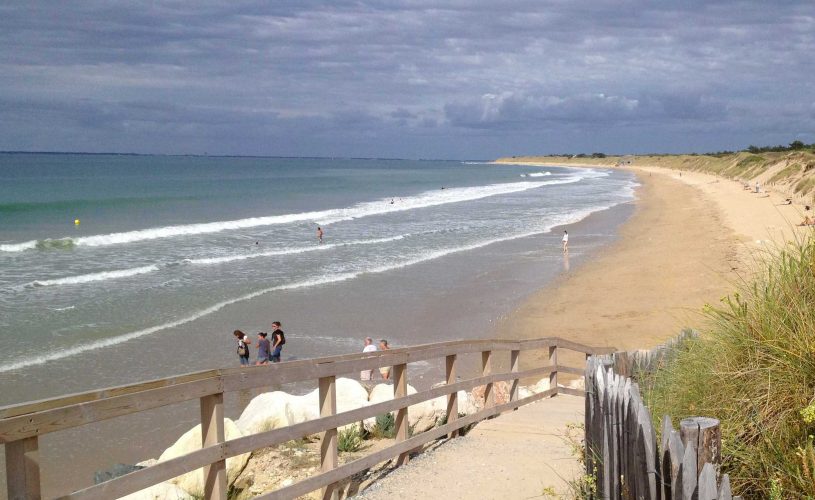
<point>30,420</point>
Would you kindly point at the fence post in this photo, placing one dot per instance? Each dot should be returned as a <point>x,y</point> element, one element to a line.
<point>212,433</point>
<point>23,469</point>
<point>704,435</point>
<point>401,423</point>
<point>328,444</point>
<point>553,364</point>
<point>452,398</point>
<point>515,367</point>
<point>486,369</point>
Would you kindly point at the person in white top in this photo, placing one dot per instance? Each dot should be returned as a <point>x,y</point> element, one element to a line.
<point>369,347</point>
<point>565,241</point>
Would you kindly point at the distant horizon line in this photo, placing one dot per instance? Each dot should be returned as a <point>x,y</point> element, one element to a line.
<point>205,155</point>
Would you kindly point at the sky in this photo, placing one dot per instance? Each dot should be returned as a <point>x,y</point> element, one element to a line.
<point>457,79</point>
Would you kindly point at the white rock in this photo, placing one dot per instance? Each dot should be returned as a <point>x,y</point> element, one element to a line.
<point>192,482</point>
<point>424,415</point>
<point>542,385</point>
<point>578,383</point>
<point>161,491</point>
<point>287,482</point>
<point>272,410</point>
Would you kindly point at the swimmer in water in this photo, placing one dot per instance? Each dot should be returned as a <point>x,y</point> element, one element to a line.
<point>319,234</point>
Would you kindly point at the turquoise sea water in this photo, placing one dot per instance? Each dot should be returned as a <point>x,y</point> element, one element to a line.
<point>173,253</point>
<point>167,241</point>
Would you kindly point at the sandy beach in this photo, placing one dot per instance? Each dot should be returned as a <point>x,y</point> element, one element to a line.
<point>691,237</point>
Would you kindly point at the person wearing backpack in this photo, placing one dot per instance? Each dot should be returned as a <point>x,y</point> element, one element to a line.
<point>278,340</point>
<point>243,346</point>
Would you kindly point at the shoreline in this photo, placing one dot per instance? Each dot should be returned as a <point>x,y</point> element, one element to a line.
<point>691,236</point>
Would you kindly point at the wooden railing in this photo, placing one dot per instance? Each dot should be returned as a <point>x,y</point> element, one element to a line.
<point>622,451</point>
<point>21,425</point>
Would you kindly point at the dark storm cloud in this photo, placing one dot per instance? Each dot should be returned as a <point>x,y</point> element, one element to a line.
<point>404,78</point>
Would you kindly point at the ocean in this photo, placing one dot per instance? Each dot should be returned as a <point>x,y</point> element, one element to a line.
<point>121,268</point>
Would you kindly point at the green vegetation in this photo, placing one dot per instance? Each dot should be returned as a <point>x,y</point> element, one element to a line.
<point>349,440</point>
<point>753,368</point>
<point>793,146</point>
<point>805,185</point>
<point>385,427</point>
<point>789,170</point>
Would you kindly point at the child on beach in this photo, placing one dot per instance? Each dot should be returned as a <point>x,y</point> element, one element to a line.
<point>243,347</point>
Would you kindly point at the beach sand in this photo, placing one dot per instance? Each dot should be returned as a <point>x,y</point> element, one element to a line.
<point>690,240</point>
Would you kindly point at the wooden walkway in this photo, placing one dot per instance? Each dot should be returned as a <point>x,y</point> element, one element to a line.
<point>522,454</point>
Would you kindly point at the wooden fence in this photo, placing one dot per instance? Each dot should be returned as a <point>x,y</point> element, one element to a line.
<point>622,451</point>
<point>21,425</point>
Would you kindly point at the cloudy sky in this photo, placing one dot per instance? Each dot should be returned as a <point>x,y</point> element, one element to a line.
<point>466,79</point>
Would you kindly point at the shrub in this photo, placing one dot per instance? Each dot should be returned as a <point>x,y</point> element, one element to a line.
<point>349,440</point>
<point>753,368</point>
<point>385,427</point>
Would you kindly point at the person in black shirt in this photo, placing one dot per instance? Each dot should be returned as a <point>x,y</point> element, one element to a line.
<point>278,339</point>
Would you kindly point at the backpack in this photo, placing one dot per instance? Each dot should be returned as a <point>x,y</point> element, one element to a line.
<point>282,338</point>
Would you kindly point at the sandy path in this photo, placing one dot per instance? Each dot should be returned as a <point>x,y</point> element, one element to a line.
<point>521,454</point>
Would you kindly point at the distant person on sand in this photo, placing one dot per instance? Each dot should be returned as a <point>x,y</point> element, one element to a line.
<point>807,222</point>
<point>319,234</point>
<point>369,347</point>
<point>565,241</point>
<point>243,346</point>
<point>264,349</point>
<point>385,371</point>
<point>278,339</point>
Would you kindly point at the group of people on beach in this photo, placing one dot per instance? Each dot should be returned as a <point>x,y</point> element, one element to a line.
<point>268,350</point>
<point>369,346</point>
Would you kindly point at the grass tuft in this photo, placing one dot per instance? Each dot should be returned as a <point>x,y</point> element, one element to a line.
<point>753,368</point>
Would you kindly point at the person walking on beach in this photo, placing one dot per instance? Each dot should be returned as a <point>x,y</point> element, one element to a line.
<point>319,234</point>
<point>369,347</point>
<point>385,371</point>
<point>565,241</point>
<point>264,349</point>
<point>243,346</point>
<point>278,339</point>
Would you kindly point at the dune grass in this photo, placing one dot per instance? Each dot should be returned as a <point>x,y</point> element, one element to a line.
<point>753,368</point>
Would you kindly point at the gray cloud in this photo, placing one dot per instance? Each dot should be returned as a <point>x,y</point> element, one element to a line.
<point>412,78</point>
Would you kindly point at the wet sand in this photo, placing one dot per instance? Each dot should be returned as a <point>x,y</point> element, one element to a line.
<point>676,253</point>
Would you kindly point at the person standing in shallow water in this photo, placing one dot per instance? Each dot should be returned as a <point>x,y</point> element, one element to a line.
<point>264,349</point>
<point>319,234</point>
<point>369,347</point>
<point>278,339</point>
<point>243,346</point>
<point>565,241</point>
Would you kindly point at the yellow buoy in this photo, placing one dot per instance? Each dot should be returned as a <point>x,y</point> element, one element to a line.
<point>76,222</point>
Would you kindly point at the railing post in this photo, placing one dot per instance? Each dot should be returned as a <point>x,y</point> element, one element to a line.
<point>452,398</point>
<point>212,433</point>
<point>486,369</point>
<point>328,445</point>
<point>515,367</point>
<point>553,364</point>
<point>401,423</point>
<point>23,469</point>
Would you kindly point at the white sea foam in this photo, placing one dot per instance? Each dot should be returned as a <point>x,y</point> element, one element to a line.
<point>378,207</point>
<point>536,174</point>
<point>424,257</point>
<point>101,276</point>
<point>291,251</point>
<point>18,247</point>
